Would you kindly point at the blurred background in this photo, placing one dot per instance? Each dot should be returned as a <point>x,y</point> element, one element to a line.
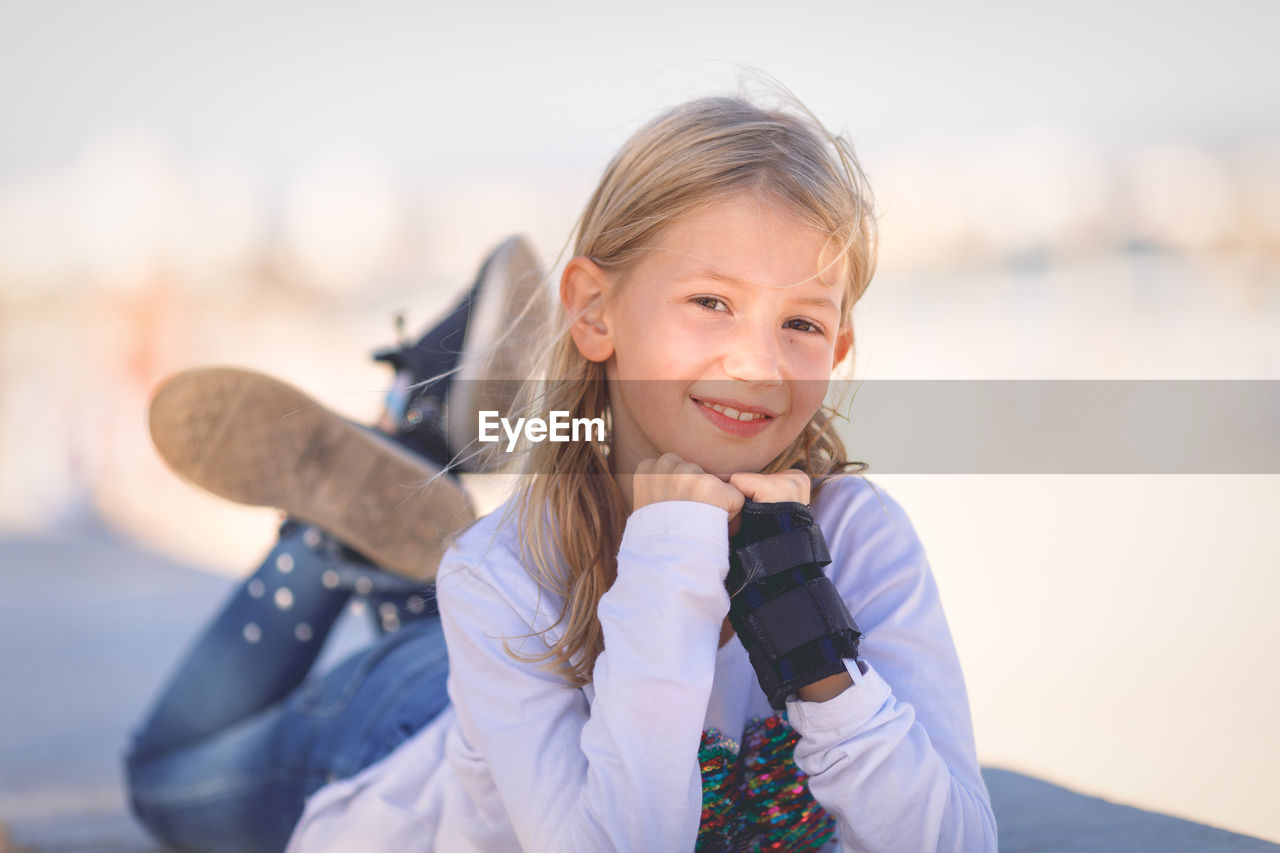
<point>1067,191</point>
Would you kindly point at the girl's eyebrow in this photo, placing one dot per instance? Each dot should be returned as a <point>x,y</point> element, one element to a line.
<point>717,275</point>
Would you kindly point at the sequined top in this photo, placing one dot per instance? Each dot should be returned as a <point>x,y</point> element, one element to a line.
<point>754,797</point>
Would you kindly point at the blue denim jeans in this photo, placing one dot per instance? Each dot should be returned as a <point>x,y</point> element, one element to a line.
<point>240,736</point>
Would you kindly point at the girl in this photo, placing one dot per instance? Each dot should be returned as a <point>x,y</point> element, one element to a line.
<point>598,698</point>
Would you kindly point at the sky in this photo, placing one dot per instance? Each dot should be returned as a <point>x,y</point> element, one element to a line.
<point>428,85</point>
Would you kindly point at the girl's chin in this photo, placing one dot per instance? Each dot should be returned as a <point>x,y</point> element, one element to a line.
<point>722,467</point>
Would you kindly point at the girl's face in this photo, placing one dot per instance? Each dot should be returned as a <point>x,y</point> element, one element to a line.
<point>721,341</point>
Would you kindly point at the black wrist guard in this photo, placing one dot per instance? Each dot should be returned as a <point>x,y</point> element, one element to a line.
<point>786,612</point>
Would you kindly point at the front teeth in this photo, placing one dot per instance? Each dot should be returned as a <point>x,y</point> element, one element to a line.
<point>734,413</point>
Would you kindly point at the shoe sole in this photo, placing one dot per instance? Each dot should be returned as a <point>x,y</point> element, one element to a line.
<point>253,439</point>
<point>504,332</point>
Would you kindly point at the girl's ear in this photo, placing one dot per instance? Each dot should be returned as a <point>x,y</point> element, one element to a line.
<point>844,340</point>
<point>584,287</point>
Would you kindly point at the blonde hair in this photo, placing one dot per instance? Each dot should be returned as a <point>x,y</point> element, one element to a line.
<point>572,512</point>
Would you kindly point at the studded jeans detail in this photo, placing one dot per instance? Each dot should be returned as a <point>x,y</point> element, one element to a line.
<point>238,739</point>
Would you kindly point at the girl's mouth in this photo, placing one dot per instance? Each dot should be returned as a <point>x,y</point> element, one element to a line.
<point>732,420</point>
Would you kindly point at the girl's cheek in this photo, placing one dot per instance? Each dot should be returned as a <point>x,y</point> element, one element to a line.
<point>812,362</point>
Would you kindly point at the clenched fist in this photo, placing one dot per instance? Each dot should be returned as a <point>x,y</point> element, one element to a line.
<point>670,478</point>
<point>785,486</point>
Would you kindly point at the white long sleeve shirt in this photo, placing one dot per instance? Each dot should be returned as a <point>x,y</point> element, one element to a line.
<point>521,761</point>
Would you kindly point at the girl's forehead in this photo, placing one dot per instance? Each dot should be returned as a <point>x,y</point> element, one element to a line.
<point>749,240</point>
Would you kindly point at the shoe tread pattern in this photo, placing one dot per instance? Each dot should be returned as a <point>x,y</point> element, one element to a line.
<point>255,440</point>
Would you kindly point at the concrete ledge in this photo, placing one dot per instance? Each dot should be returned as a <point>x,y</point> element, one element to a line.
<point>1034,815</point>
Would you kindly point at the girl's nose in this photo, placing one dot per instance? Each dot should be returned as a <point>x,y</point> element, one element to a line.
<point>752,355</point>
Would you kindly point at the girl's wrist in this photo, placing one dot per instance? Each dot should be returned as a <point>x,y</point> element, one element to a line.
<point>689,520</point>
<point>827,688</point>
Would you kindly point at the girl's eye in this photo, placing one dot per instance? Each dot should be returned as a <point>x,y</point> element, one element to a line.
<point>804,326</point>
<point>710,303</point>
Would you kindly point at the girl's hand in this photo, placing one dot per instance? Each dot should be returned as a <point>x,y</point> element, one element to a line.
<point>670,478</point>
<point>784,486</point>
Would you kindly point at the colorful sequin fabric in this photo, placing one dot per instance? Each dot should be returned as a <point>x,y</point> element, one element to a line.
<point>754,798</point>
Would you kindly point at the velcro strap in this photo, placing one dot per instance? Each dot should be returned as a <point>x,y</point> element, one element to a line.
<point>800,546</point>
<point>786,623</point>
<point>797,617</point>
<point>834,611</point>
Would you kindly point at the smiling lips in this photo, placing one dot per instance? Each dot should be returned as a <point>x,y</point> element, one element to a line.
<point>744,422</point>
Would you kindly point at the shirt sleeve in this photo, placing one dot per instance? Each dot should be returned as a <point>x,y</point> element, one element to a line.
<point>619,772</point>
<point>892,758</point>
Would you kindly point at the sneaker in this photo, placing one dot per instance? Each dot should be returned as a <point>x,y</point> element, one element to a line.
<point>473,360</point>
<point>254,439</point>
